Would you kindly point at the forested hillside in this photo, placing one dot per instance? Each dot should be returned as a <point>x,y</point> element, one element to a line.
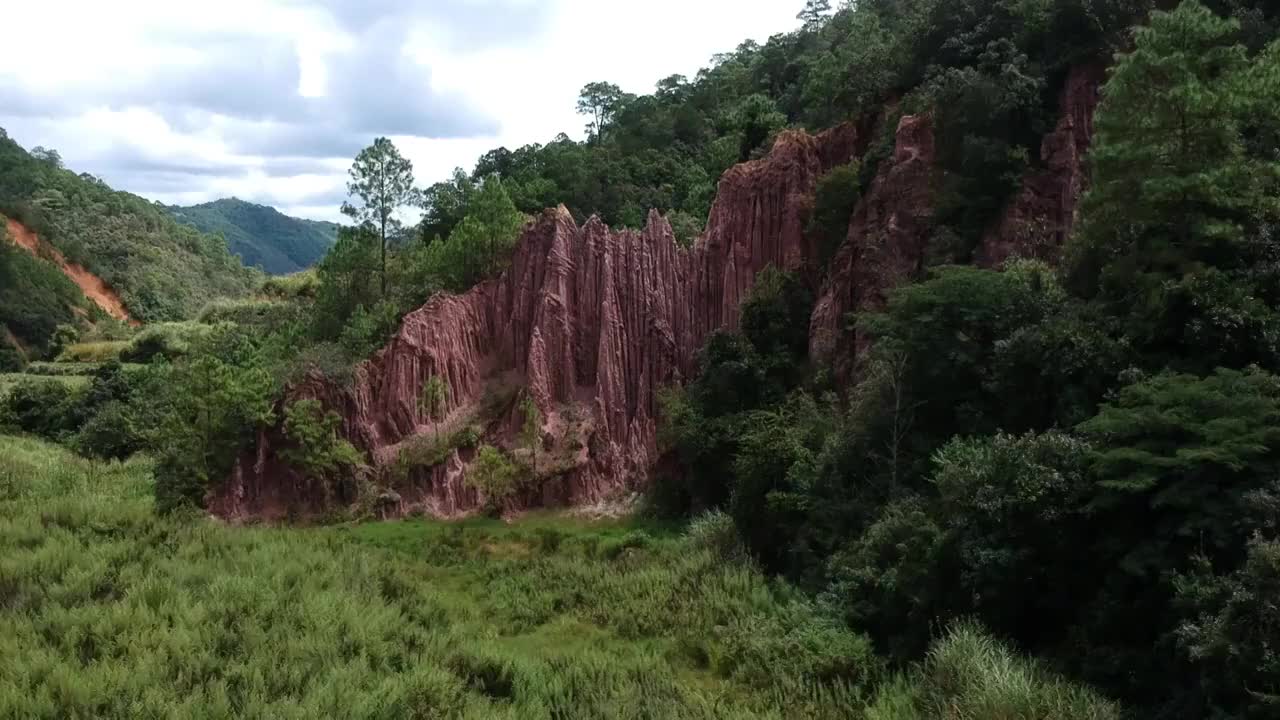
<point>262,236</point>
<point>161,269</point>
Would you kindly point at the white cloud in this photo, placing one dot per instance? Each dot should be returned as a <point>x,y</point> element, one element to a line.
<point>267,100</point>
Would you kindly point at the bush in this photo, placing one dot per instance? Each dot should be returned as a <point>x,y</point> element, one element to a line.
<point>52,410</point>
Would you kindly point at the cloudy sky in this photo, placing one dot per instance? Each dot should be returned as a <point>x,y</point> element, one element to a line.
<point>268,100</point>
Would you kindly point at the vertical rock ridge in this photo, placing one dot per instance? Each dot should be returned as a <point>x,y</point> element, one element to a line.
<point>590,321</point>
<point>1038,221</point>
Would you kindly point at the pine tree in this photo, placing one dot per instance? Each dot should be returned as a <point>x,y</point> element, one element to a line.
<point>814,12</point>
<point>1173,227</point>
<point>1174,187</point>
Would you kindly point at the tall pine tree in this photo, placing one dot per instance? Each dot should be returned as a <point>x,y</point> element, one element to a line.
<point>1180,197</point>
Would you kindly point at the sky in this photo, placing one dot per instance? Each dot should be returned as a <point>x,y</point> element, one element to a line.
<point>269,100</point>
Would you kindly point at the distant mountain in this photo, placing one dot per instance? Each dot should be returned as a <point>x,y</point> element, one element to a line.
<point>262,235</point>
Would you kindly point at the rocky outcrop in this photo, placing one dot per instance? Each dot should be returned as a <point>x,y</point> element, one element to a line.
<point>1038,221</point>
<point>589,321</point>
<point>885,246</point>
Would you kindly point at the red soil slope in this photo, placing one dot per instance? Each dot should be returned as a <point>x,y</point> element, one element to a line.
<point>91,285</point>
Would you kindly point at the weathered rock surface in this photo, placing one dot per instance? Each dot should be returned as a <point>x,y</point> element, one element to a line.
<point>1038,221</point>
<point>592,322</point>
<point>589,321</point>
<point>885,246</point>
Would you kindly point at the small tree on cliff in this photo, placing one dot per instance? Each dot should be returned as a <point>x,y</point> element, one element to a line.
<point>435,393</point>
<point>382,181</point>
<point>493,474</point>
<point>318,451</point>
<point>531,431</point>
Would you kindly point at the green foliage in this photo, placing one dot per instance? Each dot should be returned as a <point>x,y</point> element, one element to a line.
<point>36,298</point>
<point>1175,221</point>
<point>989,119</point>
<point>382,182</point>
<point>261,236</point>
<point>206,413</point>
<point>945,340</point>
<point>165,340</point>
<point>833,203</point>
<point>433,399</point>
<point>161,269</point>
<point>480,245</point>
<point>297,286</point>
<point>52,410</point>
<point>1015,512</point>
<point>368,330</point>
<point>1180,453</point>
<point>600,101</point>
<point>1232,628</point>
<point>685,226</point>
<point>317,450</point>
<point>346,280</point>
<point>968,675</point>
<point>493,474</point>
<point>531,428</point>
<point>738,373</point>
<point>94,352</point>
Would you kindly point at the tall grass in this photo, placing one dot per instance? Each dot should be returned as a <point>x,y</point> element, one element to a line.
<point>110,611</point>
<point>93,352</point>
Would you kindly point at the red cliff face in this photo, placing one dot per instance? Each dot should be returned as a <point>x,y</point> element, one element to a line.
<point>589,321</point>
<point>885,246</point>
<point>1038,221</point>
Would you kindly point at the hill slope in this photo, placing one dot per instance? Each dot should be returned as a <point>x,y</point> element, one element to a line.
<point>262,236</point>
<point>159,268</point>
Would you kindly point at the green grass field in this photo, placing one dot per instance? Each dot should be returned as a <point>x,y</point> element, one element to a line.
<point>109,611</point>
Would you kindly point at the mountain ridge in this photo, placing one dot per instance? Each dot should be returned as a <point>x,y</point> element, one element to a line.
<point>261,235</point>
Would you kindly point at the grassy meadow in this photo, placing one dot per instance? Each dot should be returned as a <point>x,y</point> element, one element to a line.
<point>108,610</point>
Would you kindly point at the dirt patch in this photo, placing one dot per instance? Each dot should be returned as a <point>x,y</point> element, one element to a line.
<point>91,285</point>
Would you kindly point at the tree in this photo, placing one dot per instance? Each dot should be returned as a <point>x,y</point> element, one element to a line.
<point>382,181</point>
<point>814,12</point>
<point>345,280</point>
<point>1176,456</point>
<point>207,412</point>
<point>49,156</point>
<point>600,101</point>
<point>435,393</point>
<point>531,430</point>
<point>318,450</point>
<point>1177,189</point>
<point>492,473</point>
<point>479,246</point>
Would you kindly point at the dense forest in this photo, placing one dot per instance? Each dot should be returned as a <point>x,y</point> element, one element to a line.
<point>1041,491</point>
<point>261,236</point>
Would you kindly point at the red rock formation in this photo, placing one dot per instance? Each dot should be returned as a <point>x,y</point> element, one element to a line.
<point>885,246</point>
<point>1038,221</point>
<point>591,321</point>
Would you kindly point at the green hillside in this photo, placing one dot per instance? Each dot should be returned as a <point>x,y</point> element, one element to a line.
<point>262,236</point>
<point>161,269</point>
